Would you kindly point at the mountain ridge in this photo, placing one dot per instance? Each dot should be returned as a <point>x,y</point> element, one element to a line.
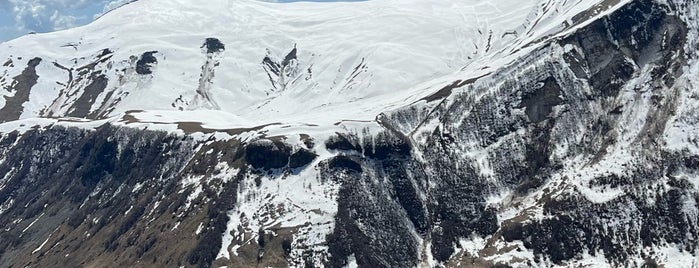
<point>576,146</point>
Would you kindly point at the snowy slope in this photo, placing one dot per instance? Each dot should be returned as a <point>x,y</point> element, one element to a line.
<point>346,61</point>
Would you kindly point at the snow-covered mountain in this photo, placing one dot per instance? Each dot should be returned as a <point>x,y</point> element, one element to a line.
<point>262,63</point>
<point>382,133</point>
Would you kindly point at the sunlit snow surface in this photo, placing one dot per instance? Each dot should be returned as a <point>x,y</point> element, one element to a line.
<point>355,59</point>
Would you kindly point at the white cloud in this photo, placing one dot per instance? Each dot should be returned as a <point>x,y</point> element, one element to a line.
<point>42,15</point>
<point>61,22</point>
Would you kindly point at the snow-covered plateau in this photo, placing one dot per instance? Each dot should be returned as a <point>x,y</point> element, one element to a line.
<point>380,133</point>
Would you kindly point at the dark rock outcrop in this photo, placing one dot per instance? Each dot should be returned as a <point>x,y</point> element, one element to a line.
<point>267,154</point>
<point>145,63</point>
<point>301,158</point>
<point>21,88</point>
<point>213,45</point>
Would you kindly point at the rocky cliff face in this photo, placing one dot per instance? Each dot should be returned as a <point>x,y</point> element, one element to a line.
<point>582,151</point>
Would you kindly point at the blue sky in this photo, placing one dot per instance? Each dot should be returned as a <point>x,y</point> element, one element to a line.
<point>18,17</point>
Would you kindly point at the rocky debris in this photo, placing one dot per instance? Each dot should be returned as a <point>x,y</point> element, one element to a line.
<point>86,84</point>
<point>282,72</point>
<point>213,49</point>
